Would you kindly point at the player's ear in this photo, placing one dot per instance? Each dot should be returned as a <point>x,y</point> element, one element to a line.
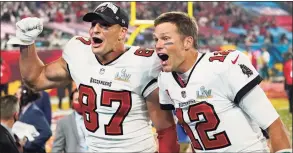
<point>123,33</point>
<point>187,44</point>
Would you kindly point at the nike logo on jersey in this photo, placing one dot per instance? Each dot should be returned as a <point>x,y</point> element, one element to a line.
<point>234,61</point>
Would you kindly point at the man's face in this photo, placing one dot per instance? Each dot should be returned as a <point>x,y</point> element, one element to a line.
<point>75,104</point>
<point>75,98</point>
<point>18,94</point>
<point>104,36</point>
<point>168,43</point>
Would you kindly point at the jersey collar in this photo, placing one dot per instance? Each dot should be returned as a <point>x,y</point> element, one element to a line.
<point>115,59</point>
<point>178,79</point>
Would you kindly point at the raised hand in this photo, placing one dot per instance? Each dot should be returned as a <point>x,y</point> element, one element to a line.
<point>27,31</point>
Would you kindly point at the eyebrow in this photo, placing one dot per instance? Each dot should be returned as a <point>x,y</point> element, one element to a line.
<point>163,34</point>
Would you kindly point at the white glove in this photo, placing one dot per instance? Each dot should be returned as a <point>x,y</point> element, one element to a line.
<point>27,31</point>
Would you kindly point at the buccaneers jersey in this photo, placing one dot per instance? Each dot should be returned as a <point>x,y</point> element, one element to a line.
<point>113,96</point>
<point>208,104</point>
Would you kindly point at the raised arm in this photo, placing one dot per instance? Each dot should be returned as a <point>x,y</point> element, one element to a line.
<point>34,72</point>
<point>39,76</point>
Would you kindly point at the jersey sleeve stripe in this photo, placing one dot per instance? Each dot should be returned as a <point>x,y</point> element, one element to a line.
<point>67,66</point>
<point>242,92</point>
<point>167,107</point>
<point>149,84</point>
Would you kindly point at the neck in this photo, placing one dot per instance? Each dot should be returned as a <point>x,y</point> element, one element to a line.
<point>111,55</point>
<point>9,123</point>
<point>190,59</point>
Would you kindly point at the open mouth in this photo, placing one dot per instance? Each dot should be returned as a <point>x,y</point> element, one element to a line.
<point>163,57</point>
<point>97,41</point>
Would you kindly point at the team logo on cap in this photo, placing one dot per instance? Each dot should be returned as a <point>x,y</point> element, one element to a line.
<point>102,7</point>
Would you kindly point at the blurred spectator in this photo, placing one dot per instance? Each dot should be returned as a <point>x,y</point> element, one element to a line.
<point>288,75</point>
<point>70,130</point>
<point>203,21</point>
<point>264,68</point>
<point>250,39</point>
<point>31,114</point>
<point>223,23</point>
<point>5,74</point>
<point>284,39</point>
<point>61,94</point>
<point>268,38</point>
<point>44,103</point>
<point>9,142</point>
<point>4,44</point>
<point>55,40</point>
<point>208,14</point>
<point>59,16</point>
<point>253,58</point>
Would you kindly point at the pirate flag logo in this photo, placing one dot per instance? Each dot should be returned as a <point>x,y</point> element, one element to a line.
<point>246,70</point>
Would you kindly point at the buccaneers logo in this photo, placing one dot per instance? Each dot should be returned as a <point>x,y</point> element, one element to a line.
<point>246,70</point>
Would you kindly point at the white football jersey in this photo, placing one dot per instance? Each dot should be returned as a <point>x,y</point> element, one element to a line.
<point>207,105</point>
<point>113,96</point>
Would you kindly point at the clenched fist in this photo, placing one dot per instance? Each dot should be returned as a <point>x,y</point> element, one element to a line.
<point>27,31</point>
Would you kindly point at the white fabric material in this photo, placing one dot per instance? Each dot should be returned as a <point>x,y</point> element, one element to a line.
<point>27,30</point>
<point>257,105</point>
<point>120,86</point>
<point>209,103</point>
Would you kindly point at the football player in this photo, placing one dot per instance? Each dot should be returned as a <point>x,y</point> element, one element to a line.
<point>216,95</point>
<point>117,84</point>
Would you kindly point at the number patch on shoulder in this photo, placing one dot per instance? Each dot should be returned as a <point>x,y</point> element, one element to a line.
<point>84,41</point>
<point>220,55</point>
<point>144,52</point>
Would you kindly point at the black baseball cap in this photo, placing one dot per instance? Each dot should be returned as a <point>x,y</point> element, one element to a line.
<point>109,12</point>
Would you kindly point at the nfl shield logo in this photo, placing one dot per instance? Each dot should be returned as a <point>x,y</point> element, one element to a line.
<point>183,94</point>
<point>102,71</point>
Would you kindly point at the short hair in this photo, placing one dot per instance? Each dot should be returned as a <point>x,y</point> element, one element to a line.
<point>186,25</point>
<point>8,107</point>
<point>71,95</point>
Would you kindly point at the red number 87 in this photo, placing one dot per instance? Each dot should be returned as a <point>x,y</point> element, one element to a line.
<point>87,99</point>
